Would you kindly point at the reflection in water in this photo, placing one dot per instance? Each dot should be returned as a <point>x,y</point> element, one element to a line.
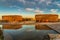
<point>42,27</point>
<point>27,32</point>
<point>12,26</point>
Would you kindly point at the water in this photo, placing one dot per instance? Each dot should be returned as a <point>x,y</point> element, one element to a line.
<point>27,32</point>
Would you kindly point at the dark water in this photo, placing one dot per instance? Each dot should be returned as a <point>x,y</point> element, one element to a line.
<point>27,32</point>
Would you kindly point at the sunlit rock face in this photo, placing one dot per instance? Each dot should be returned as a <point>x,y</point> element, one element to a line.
<point>12,26</point>
<point>42,27</point>
<point>46,17</point>
<point>12,18</point>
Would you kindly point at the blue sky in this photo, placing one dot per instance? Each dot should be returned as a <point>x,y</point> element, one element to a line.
<point>28,8</point>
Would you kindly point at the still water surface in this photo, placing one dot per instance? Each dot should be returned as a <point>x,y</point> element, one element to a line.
<point>27,32</point>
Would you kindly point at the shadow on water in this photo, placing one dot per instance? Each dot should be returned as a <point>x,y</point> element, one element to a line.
<point>26,32</point>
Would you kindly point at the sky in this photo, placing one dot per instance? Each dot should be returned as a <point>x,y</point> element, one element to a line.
<point>28,8</point>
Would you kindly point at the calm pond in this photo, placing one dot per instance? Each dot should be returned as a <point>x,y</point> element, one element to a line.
<point>27,32</point>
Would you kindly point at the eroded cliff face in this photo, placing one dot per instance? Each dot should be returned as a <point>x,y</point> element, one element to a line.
<point>46,18</point>
<point>12,18</point>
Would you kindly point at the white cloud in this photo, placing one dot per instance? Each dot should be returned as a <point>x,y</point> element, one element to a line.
<point>29,9</point>
<point>35,0</point>
<point>19,10</point>
<point>58,5</point>
<point>42,0</point>
<point>45,1</point>
<point>14,6</point>
<point>38,11</point>
<point>22,1</point>
<point>49,2</point>
<point>54,10</point>
<point>25,2</point>
<point>33,3</point>
<point>34,10</point>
